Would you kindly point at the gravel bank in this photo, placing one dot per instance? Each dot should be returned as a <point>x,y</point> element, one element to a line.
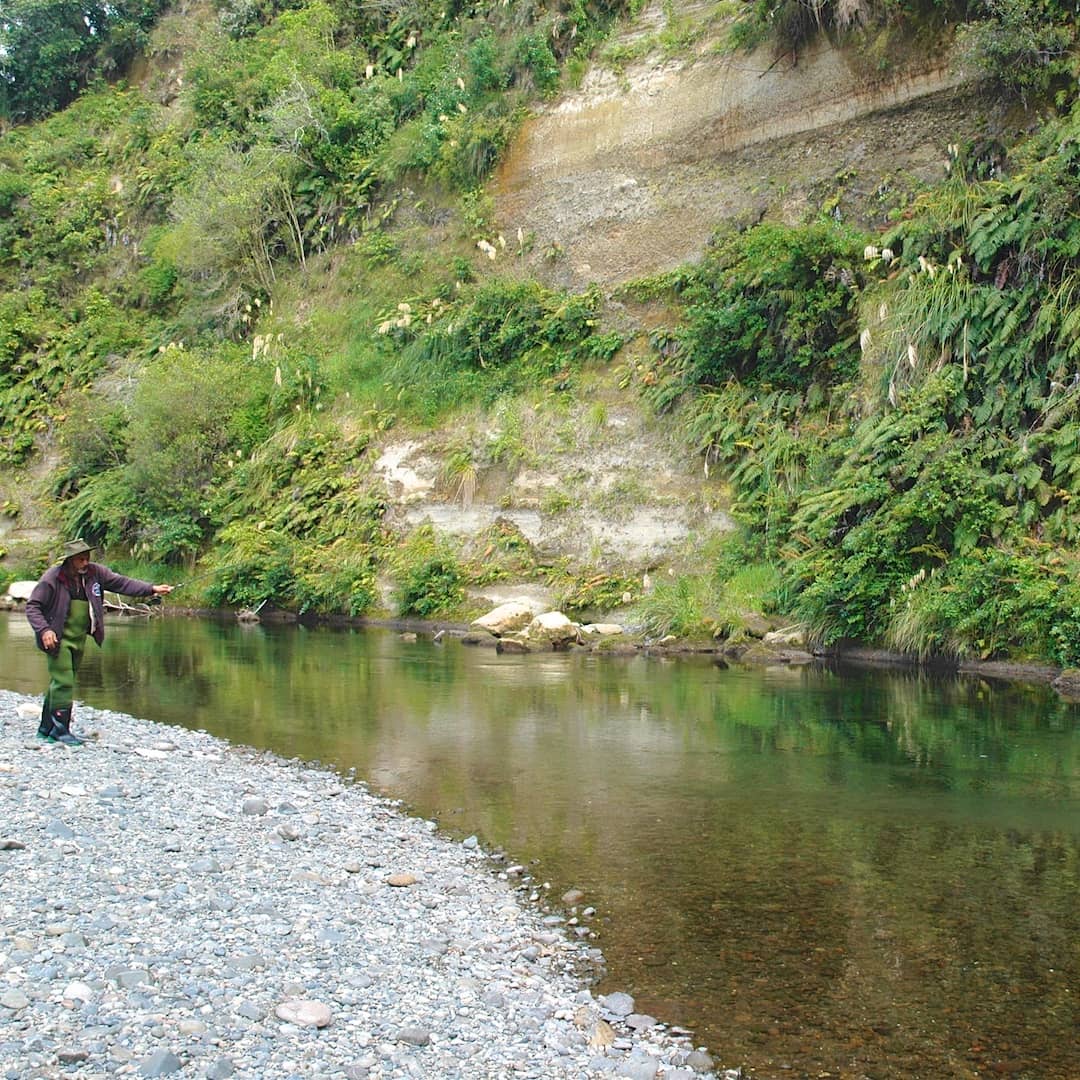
<point>173,905</point>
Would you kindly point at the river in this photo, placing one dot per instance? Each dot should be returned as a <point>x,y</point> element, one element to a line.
<point>822,872</point>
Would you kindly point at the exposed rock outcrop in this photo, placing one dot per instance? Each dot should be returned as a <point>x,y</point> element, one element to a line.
<point>630,174</point>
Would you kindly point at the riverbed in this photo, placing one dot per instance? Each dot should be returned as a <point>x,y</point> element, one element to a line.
<point>817,870</point>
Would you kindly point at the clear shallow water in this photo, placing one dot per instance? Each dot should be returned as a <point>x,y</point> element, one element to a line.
<point>859,874</point>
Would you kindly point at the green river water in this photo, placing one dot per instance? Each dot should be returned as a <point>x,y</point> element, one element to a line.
<point>823,873</point>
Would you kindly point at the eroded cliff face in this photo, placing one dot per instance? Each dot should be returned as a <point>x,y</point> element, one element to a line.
<point>630,174</point>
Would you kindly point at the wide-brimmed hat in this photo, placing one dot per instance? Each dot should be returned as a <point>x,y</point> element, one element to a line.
<point>74,547</point>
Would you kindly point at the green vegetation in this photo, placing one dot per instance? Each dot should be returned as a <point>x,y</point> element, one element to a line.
<point>733,589</point>
<point>1022,45</point>
<point>147,233</point>
<point>50,49</point>
<point>916,485</point>
<point>216,291</point>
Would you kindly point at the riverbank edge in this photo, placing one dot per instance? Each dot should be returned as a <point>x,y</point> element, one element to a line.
<point>620,1042</point>
<point>752,652</point>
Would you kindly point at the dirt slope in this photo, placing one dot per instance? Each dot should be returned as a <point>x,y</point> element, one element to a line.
<point>630,174</point>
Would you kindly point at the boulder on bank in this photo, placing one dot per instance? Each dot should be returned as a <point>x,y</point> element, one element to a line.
<point>18,592</point>
<point>755,624</point>
<point>507,618</point>
<point>793,637</point>
<point>554,628</point>
<point>512,645</point>
<point>1067,684</point>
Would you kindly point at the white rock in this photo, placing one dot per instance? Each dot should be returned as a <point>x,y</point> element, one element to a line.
<point>553,626</point>
<point>77,991</point>
<point>506,618</point>
<point>304,1013</point>
<point>20,590</point>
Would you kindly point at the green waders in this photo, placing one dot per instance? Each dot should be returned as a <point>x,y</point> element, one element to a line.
<point>63,667</point>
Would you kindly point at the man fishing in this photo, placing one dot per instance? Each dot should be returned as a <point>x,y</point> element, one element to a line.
<point>66,605</point>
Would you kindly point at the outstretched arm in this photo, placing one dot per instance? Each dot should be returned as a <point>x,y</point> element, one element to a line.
<point>126,586</point>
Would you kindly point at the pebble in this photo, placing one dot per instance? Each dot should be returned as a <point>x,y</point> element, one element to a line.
<point>305,1013</point>
<point>192,940</point>
<point>161,1063</point>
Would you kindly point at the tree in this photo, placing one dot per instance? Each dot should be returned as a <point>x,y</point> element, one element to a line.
<point>49,49</point>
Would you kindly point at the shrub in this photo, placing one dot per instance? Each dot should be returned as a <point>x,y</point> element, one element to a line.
<point>681,607</point>
<point>431,587</point>
<point>251,566</point>
<point>774,306</point>
<point>991,603</point>
<point>338,579</point>
<point>144,475</point>
<point>1021,46</point>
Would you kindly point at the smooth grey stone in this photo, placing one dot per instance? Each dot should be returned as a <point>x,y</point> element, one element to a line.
<point>14,1000</point>
<point>414,1036</point>
<point>699,1061</point>
<point>640,1021</point>
<point>57,828</point>
<point>639,1069</point>
<point>160,1063</point>
<point>220,1069</point>
<point>246,962</point>
<point>206,866</point>
<point>255,807</point>
<point>127,977</point>
<point>618,1004</point>
<point>250,1011</point>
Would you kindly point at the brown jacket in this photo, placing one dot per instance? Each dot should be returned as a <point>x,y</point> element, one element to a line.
<point>49,603</point>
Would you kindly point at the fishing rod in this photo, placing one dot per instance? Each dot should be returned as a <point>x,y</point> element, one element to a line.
<point>155,600</point>
<point>187,583</point>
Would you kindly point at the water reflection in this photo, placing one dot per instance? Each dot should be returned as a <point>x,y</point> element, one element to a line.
<point>862,874</point>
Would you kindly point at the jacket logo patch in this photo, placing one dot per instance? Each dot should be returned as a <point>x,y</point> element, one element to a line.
<point>96,588</point>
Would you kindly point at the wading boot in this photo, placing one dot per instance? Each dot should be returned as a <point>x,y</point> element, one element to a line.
<point>61,732</point>
<point>45,728</point>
